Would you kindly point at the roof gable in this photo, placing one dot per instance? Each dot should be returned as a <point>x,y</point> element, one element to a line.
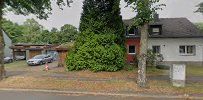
<point>174,27</point>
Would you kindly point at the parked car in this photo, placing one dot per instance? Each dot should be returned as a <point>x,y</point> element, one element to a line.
<point>53,54</point>
<point>8,59</point>
<point>20,57</point>
<point>49,58</point>
<point>40,60</point>
<point>37,60</point>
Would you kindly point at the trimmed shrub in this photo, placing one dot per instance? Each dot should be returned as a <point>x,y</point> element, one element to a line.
<point>163,67</point>
<point>98,53</point>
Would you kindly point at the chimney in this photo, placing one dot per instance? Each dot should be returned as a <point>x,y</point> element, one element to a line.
<point>156,17</point>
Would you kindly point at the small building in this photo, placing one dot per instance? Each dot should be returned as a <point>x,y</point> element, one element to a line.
<point>177,39</point>
<point>31,50</point>
<point>8,43</point>
<point>63,52</point>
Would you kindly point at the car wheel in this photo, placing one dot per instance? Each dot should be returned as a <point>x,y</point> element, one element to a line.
<point>10,61</point>
<point>51,60</point>
<point>41,63</point>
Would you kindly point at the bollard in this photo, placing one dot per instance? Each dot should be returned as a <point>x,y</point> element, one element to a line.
<point>46,67</point>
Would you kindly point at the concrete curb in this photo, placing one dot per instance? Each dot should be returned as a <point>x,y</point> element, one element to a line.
<point>105,94</point>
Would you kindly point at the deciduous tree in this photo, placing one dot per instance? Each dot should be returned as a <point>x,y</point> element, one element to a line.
<point>145,10</point>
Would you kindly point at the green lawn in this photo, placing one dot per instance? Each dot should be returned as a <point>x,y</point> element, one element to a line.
<point>130,71</point>
<point>190,88</point>
<point>16,64</point>
<point>194,70</point>
<point>191,70</point>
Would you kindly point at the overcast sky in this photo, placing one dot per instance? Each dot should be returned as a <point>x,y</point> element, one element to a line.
<point>174,8</point>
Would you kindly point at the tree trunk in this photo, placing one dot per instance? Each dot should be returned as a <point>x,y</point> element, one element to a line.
<point>2,70</point>
<point>143,56</point>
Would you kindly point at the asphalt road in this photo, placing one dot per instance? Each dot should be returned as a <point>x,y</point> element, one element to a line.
<point>18,95</point>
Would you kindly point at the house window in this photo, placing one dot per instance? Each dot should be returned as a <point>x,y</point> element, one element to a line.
<point>156,49</point>
<point>155,30</point>
<point>131,31</point>
<point>187,50</point>
<point>131,49</point>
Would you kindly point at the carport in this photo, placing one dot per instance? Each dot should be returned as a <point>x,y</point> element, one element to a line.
<point>31,50</point>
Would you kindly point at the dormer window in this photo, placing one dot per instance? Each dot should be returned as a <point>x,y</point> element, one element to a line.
<point>155,29</point>
<point>132,31</point>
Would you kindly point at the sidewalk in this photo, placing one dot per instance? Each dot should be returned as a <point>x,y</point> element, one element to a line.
<point>143,95</point>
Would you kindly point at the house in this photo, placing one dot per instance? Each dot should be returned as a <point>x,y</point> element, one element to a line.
<point>31,50</point>
<point>177,39</point>
<point>8,43</point>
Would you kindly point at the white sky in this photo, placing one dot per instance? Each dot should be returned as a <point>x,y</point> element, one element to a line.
<point>174,8</point>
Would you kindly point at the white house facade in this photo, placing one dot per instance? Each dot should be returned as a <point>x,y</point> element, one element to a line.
<point>177,39</point>
<point>178,49</point>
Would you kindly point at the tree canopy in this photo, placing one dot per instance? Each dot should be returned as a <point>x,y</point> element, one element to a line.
<point>200,26</point>
<point>100,16</point>
<point>200,7</point>
<point>32,32</point>
<point>145,10</point>
<point>40,8</point>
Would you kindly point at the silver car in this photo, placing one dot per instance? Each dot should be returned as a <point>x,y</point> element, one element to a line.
<point>37,60</point>
<point>8,59</point>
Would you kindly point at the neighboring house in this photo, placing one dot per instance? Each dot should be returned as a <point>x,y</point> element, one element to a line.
<point>8,43</point>
<point>177,39</point>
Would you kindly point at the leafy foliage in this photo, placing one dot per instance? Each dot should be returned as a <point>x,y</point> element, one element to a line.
<point>164,67</point>
<point>98,53</point>
<point>200,26</point>
<point>101,16</point>
<point>200,7</point>
<point>32,32</point>
<point>40,8</point>
<point>152,58</point>
<point>98,47</point>
<point>14,30</point>
<point>144,9</point>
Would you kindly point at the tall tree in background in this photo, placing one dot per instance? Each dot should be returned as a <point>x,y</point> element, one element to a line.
<point>13,29</point>
<point>31,30</point>
<point>40,8</point>
<point>200,8</point>
<point>200,26</point>
<point>99,15</point>
<point>145,10</point>
<point>99,45</point>
<point>68,33</point>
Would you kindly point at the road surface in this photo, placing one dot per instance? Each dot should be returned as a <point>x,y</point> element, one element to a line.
<point>19,95</point>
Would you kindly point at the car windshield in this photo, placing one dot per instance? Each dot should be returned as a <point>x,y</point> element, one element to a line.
<point>39,57</point>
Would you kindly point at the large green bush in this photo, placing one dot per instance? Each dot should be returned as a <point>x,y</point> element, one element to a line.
<point>99,45</point>
<point>98,52</point>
